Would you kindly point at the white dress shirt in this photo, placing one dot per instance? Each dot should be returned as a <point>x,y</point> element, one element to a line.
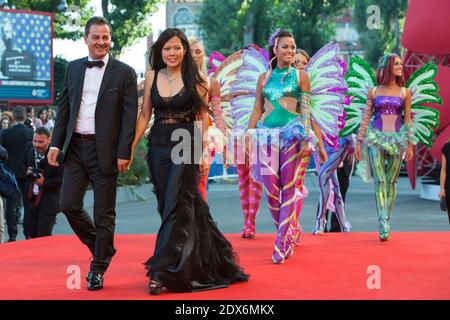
<point>91,86</point>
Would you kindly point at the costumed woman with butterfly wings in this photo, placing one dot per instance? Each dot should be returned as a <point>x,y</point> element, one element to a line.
<point>235,100</point>
<point>284,137</point>
<point>375,112</point>
<point>325,74</point>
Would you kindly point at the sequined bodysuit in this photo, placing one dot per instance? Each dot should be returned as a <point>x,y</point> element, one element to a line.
<point>274,92</point>
<point>280,165</point>
<point>387,106</point>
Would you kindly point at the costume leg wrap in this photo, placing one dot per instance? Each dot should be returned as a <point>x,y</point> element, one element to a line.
<point>378,163</point>
<point>250,193</point>
<point>327,176</point>
<point>302,166</point>
<point>394,163</point>
<point>288,184</point>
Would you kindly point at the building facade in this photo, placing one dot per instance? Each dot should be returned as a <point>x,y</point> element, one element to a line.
<point>182,14</point>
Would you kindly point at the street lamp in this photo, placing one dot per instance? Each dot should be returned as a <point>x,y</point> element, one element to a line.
<point>351,45</point>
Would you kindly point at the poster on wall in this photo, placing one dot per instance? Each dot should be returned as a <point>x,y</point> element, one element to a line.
<point>26,63</point>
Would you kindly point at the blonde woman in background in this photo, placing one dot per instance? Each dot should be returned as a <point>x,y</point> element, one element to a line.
<point>218,130</point>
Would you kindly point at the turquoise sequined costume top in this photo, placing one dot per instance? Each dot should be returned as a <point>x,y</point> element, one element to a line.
<point>275,90</point>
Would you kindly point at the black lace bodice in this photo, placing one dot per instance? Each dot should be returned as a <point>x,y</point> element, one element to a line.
<point>178,107</point>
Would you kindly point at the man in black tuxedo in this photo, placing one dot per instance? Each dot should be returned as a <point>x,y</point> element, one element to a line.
<point>43,187</point>
<point>95,128</point>
<point>14,140</point>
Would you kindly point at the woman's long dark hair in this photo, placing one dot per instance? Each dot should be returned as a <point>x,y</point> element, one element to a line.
<point>189,69</point>
<point>281,34</point>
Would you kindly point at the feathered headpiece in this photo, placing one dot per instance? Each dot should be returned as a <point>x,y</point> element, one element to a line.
<point>273,39</point>
<point>383,61</point>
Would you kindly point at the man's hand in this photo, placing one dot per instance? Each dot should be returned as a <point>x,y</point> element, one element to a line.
<point>40,181</point>
<point>52,156</point>
<point>122,165</point>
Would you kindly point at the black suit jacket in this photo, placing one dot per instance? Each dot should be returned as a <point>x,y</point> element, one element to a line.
<point>115,114</point>
<point>14,140</point>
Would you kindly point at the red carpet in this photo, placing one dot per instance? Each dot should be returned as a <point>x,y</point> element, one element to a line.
<point>331,266</point>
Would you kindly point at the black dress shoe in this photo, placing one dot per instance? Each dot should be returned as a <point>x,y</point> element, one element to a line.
<point>11,240</point>
<point>95,281</point>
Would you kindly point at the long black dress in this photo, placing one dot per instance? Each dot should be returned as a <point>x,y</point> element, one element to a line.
<point>191,254</point>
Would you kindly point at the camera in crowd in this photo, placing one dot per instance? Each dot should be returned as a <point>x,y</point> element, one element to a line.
<point>34,175</point>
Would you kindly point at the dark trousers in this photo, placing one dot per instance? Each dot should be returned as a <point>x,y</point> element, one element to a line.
<point>40,218</point>
<point>81,167</point>
<point>344,182</point>
<point>12,204</point>
<point>447,198</point>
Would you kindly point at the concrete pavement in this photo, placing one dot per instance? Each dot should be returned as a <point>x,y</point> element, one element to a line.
<point>411,213</point>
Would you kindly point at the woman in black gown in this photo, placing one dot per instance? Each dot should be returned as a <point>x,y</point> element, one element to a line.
<point>190,254</point>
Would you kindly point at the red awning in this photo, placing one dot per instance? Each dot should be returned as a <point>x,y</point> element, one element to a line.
<point>426,27</point>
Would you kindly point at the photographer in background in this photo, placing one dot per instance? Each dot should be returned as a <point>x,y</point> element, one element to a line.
<point>43,187</point>
<point>14,140</point>
<point>3,157</point>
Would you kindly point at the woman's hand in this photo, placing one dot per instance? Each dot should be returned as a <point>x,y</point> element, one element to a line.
<point>226,155</point>
<point>409,153</point>
<point>247,140</point>
<point>323,156</point>
<point>205,162</point>
<point>358,151</point>
<point>133,149</point>
<point>441,194</point>
<point>203,169</point>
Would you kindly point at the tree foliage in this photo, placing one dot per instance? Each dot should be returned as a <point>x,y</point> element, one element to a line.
<point>66,26</point>
<point>376,42</point>
<point>129,20</point>
<point>60,65</point>
<point>219,26</point>
<point>224,24</point>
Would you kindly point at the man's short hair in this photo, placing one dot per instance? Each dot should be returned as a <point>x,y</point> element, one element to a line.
<point>19,113</point>
<point>42,130</point>
<point>96,21</point>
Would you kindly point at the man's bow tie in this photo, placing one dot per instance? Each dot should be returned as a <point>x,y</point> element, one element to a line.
<point>90,64</point>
